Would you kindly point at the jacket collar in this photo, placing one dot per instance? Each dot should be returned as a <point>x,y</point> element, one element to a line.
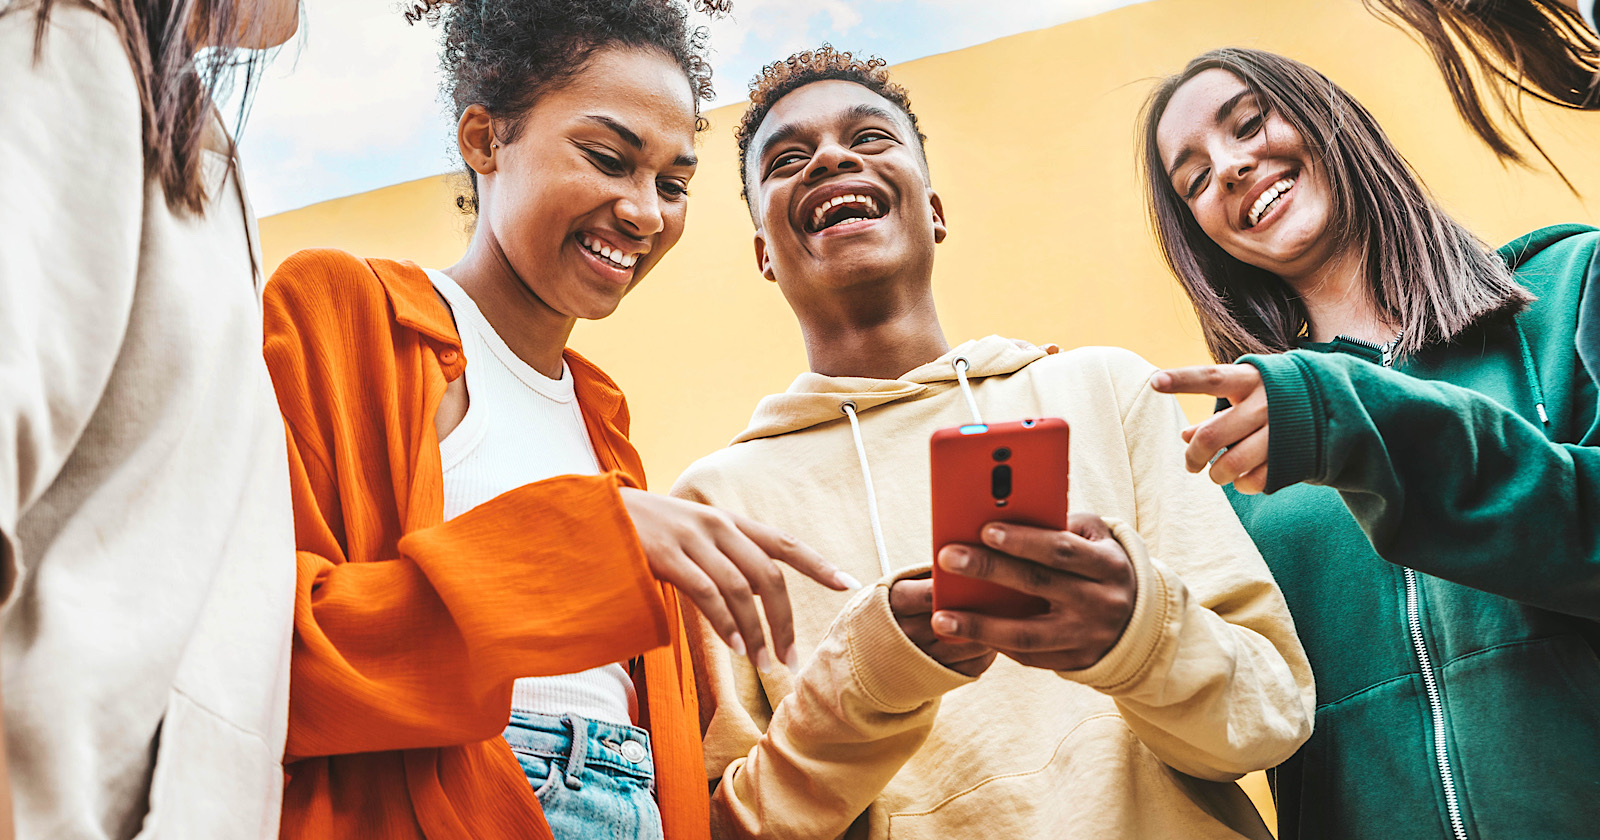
<point>416,305</point>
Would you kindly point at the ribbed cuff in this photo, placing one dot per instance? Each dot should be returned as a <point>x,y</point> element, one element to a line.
<point>893,672</point>
<point>1292,445</point>
<point>1128,659</point>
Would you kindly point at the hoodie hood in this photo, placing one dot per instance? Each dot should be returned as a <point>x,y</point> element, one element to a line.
<point>813,399</point>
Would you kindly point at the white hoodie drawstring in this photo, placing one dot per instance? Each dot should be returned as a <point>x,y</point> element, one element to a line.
<point>849,409</point>
<point>961,365</point>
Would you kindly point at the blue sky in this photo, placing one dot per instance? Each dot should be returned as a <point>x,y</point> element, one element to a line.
<point>352,104</point>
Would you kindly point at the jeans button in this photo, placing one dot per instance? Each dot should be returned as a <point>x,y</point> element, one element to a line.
<point>633,751</point>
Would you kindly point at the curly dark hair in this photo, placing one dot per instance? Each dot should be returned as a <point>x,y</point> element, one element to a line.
<point>506,54</point>
<point>781,78</point>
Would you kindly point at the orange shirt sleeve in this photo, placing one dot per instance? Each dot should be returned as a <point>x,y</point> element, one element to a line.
<point>415,643</point>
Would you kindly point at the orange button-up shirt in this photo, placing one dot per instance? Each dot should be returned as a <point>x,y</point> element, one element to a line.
<point>409,630</point>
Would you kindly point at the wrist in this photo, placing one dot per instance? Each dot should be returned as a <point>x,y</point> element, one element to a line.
<point>896,674</point>
<point>1294,445</point>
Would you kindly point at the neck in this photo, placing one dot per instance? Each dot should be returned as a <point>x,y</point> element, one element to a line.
<point>877,332</point>
<point>1338,301</point>
<point>536,333</point>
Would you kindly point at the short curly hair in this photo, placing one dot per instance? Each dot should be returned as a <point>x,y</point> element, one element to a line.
<point>781,78</point>
<point>506,54</point>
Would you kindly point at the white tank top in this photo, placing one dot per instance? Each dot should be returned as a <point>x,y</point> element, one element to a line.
<point>522,426</point>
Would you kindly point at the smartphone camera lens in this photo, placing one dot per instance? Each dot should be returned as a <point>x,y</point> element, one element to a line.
<point>1002,453</point>
<point>1027,424</point>
<point>1000,483</point>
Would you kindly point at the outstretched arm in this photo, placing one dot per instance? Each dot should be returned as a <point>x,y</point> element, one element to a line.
<point>1443,479</point>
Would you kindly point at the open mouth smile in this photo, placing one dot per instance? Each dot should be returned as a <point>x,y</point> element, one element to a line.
<point>606,254</point>
<point>1269,200</point>
<point>843,208</point>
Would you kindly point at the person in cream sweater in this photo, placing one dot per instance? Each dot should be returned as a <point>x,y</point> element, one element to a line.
<point>1167,666</point>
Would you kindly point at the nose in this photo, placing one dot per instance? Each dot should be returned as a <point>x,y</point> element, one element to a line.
<point>1232,165</point>
<point>833,157</point>
<point>640,210</point>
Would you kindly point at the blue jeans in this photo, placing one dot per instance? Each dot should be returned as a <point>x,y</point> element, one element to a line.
<point>599,784</point>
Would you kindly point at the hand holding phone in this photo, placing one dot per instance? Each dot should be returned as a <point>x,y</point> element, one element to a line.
<point>995,472</point>
<point>911,603</point>
<point>1082,572</point>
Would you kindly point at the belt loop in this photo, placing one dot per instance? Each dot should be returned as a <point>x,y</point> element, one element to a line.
<point>579,755</point>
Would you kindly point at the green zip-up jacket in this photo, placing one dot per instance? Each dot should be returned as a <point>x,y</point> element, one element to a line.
<point>1436,531</point>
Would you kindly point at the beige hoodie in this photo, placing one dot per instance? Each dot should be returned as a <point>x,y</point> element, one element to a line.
<point>873,738</point>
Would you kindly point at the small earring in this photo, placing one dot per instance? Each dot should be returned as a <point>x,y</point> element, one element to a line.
<point>493,144</point>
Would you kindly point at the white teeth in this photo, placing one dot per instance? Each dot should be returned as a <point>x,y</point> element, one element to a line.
<point>1267,198</point>
<point>612,255</point>
<point>823,208</point>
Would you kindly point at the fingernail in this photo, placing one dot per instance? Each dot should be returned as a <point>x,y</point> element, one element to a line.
<point>793,659</point>
<point>954,559</point>
<point>737,644</point>
<point>994,534</point>
<point>1160,380</point>
<point>944,624</point>
<point>764,661</point>
<point>847,581</point>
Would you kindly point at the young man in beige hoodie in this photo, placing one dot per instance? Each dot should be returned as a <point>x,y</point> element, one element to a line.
<point>1167,666</point>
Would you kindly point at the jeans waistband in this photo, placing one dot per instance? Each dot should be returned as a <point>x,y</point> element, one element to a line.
<point>598,744</point>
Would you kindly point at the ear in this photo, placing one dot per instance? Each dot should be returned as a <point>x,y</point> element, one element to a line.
<point>476,140</point>
<point>939,229</point>
<point>763,261</point>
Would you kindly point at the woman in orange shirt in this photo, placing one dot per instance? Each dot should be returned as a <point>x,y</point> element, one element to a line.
<point>463,530</point>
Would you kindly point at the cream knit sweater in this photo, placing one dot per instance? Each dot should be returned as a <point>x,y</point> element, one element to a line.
<point>874,739</point>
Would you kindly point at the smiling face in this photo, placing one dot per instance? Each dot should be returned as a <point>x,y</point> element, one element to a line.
<point>839,191</point>
<point>1247,176</point>
<point>593,190</point>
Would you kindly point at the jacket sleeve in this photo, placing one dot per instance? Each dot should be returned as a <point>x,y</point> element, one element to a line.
<point>417,645</point>
<point>70,221</point>
<point>1442,479</point>
<point>860,709</point>
<point>1209,672</point>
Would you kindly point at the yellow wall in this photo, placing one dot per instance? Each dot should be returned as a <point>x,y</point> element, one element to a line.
<point>1032,147</point>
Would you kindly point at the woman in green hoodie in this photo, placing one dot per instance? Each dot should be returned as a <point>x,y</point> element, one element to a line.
<point>1431,477</point>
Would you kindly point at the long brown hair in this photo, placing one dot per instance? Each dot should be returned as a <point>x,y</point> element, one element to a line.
<point>185,56</point>
<point>1423,269</point>
<point>1540,47</point>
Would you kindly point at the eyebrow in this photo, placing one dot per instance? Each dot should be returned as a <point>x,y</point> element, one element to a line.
<point>1223,111</point>
<point>632,139</point>
<point>861,111</point>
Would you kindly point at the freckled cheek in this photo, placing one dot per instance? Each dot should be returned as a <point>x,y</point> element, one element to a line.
<point>1212,220</point>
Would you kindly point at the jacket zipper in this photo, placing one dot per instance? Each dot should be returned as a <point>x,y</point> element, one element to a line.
<point>1385,351</point>
<point>1441,751</point>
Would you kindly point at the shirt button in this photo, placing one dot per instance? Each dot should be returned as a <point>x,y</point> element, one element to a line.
<point>449,357</point>
<point>633,751</point>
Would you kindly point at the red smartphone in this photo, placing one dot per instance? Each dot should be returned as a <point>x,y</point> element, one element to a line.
<point>995,472</point>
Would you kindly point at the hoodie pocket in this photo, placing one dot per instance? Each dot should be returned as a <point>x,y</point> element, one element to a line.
<point>1100,782</point>
<point>1525,718</point>
<point>212,779</point>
